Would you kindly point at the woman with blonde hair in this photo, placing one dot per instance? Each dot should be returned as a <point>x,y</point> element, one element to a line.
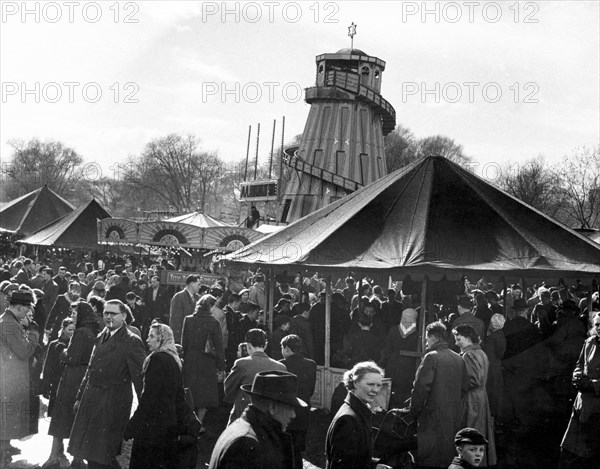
<point>349,442</point>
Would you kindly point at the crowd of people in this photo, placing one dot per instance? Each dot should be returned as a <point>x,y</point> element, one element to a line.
<point>86,339</point>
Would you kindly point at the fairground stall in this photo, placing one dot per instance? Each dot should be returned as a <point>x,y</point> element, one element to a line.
<point>194,237</point>
<point>72,237</point>
<point>428,224</point>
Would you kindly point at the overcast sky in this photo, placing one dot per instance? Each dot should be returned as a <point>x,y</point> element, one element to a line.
<point>507,80</point>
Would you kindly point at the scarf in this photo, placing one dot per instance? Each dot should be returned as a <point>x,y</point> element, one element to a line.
<point>496,322</point>
<point>167,345</point>
<point>408,323</point>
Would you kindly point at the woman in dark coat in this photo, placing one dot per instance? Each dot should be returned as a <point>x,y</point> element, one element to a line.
<point>202,333</point>
<point>476,409</point>
<point>76,361</point>
<point>401,368</point>
<point>349,438</point>
<point>54,363</point>
<point>155,424</point>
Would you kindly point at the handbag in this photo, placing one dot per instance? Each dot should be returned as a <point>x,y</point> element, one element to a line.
<point>395,435</point>
<point>209,347</point>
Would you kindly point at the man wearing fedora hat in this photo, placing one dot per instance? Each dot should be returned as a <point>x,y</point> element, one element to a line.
<point>257,439</point>
<point>17,345</point>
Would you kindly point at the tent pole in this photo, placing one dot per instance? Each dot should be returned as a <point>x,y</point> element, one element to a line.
<point>504,295</point>
<point>424,285</point>
<point>327,321</point>
<point>271,294</point>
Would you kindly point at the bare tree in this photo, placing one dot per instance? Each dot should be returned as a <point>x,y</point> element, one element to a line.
<point>442,146</point>
<point>35,163</point>
<point>175,170</point>
<point>402,148</point>
<point>579,177</point>
<point>534,183</point>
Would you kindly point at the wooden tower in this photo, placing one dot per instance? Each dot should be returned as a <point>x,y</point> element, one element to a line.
<point>342,146</point>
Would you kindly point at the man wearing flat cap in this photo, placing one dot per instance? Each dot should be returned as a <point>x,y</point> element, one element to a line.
<point>257,439</point>
<point>16,346</point>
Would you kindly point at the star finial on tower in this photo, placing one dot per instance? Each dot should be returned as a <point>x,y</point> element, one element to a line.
<point>352,33</point>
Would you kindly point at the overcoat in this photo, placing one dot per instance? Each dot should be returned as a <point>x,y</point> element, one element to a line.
<point>243,372</point>
<point>155,423</point>
<point>200,369</point>
<point>254,441</point>
<point>583,431</point>
<point>53,369</point>
<point>78,355</point>
<point>495,346</point>
<point>105,396</point>
<point>349,443</point>
<point>436,402</point>
<point>16,347</point>
<point>306,371</point>
<point>476,409</point>
<point>50,289</point>
<point>400,368</point>
<point>182,305</point>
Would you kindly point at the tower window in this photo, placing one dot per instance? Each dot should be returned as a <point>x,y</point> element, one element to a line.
<point>365,71</point>
<point>321,68</point>
<point>376,74</point>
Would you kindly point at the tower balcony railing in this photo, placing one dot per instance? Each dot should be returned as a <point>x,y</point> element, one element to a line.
<point>350,82</point>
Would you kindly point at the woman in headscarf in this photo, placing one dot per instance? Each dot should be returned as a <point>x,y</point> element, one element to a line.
<point>495,346</point>
<point>78,355</point>
<point>203,355</point>
<point>399,367</point>
<point>156,423</point>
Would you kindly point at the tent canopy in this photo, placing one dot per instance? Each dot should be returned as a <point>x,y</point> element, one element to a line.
<point>77,229</point>
<point>431,218</point>
<point>33,211</point>
<point>198,219</point>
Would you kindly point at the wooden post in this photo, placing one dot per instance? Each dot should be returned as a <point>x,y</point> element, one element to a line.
<point>327,321</point>
<point>270,297</point>
<point>504,296</point>
<point>424,285</point>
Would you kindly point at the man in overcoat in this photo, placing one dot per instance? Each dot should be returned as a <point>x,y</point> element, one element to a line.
<point>183,304</point>
<point>16,347</point>
<point>104,398</point>
<point>50,289</point>
<point>306,371</point>
<point>244,370</point>
<point>580,446</point>
<point>257,440</point>
<point>440,384</point>
<point>157,301</point>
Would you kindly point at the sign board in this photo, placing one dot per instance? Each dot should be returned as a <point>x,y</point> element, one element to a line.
<point>176,277</point>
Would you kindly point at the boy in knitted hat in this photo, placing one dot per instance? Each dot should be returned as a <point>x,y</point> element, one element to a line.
<point>470,446</point>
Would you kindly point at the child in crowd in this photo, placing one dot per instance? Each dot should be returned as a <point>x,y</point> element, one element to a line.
<point>470,446</point>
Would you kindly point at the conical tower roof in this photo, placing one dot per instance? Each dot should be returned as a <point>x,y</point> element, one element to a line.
<point>431,218</point>
<point>33,211</point>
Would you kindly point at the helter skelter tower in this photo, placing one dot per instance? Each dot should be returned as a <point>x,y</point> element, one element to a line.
<point>342,146</point>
